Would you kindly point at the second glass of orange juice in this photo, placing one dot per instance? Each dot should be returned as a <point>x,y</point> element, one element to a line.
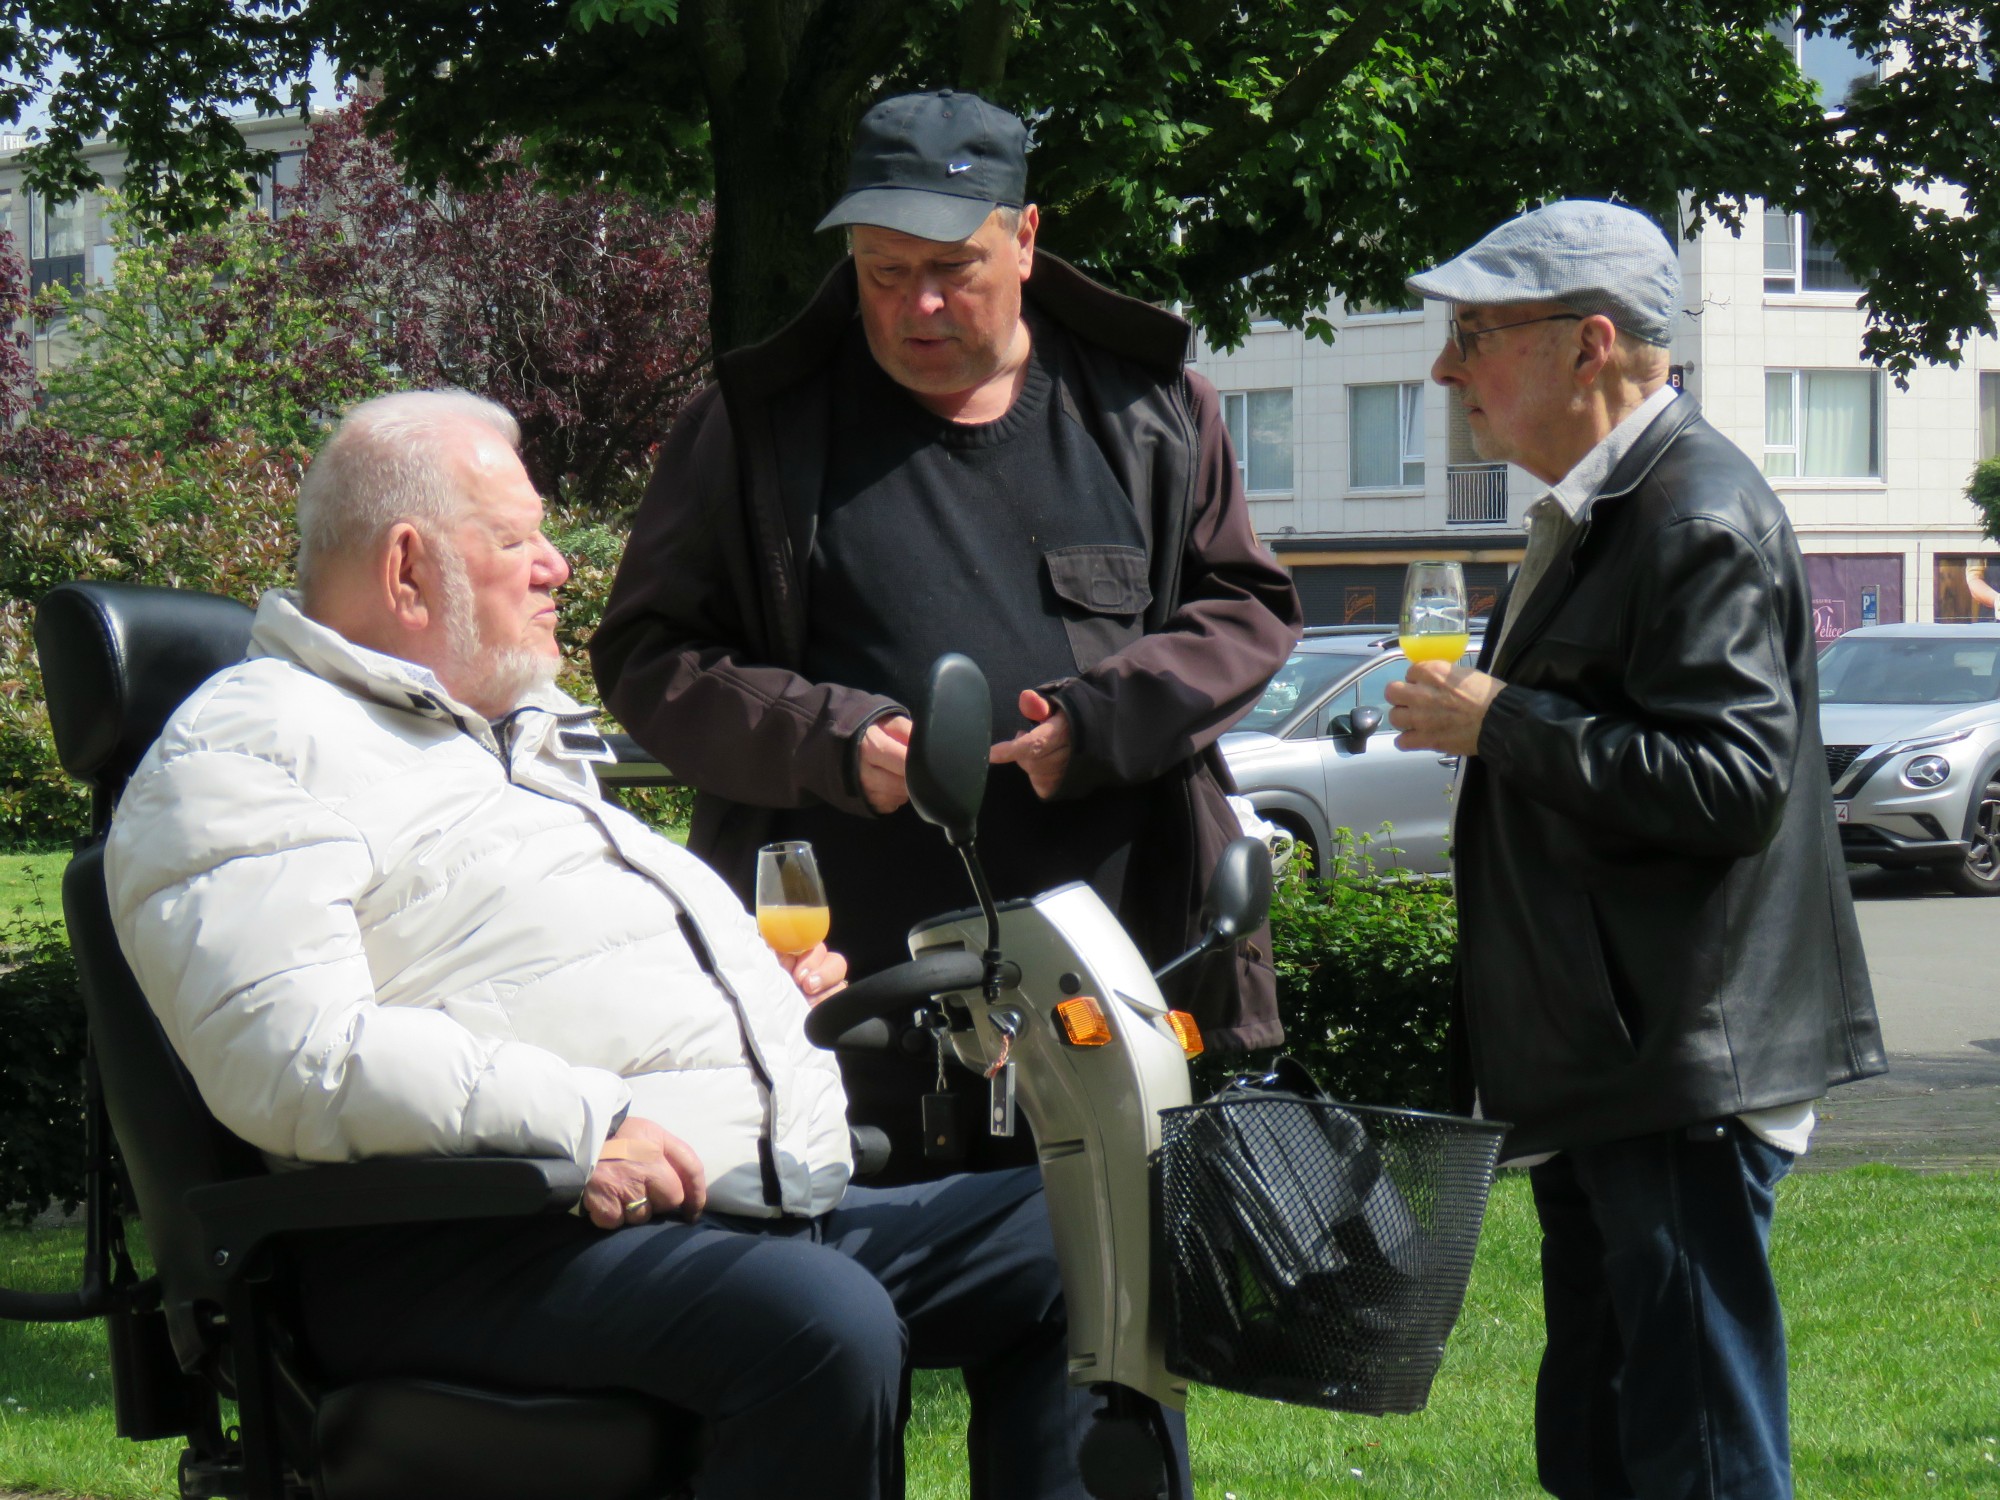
<point>1433,623</point>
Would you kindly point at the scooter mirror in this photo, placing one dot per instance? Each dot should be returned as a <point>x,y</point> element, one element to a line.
<point>1239,892</point>
<point>1238,900</point>
<point>949,739</point>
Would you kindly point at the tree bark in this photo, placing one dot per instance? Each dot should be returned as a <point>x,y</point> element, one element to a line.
<point>785,82</point>
<point>774,179</point>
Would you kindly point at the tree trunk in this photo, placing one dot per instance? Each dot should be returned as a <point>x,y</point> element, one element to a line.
<point>774,179</point>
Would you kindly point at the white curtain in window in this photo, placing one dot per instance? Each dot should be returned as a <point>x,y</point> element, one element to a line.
<point>1270,440</point>
<point>1374,439</point>
<point>1989,416</point>
<point>1413,423</point>
<point>1839,413</point>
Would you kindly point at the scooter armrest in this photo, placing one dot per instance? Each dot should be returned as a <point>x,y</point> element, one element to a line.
<point>237,1217</point>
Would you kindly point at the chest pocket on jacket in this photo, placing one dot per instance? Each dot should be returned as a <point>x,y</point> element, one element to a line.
<point>1102,596</point>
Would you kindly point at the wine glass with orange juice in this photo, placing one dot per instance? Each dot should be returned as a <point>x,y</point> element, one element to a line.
<point>791,898</point>
<point>1433,624</point>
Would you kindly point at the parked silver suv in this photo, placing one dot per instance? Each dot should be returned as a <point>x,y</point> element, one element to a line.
<point>1911,719</point>
<point>1317,753</point>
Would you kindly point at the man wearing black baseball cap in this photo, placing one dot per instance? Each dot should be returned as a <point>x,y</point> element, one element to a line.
<point>960,444</point>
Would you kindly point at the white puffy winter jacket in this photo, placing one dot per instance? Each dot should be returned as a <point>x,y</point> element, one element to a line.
<point>374,924</point>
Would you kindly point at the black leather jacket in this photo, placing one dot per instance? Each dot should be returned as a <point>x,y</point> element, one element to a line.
<point>1654,917</point>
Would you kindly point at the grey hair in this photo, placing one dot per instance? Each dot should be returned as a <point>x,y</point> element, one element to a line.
<point>389,460</point>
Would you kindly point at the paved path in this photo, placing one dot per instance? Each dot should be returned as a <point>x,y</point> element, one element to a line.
<point>1935,960</point>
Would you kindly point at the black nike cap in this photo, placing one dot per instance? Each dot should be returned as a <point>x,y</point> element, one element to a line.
<point>933,165</point>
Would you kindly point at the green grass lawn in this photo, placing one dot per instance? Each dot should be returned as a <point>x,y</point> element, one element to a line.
<point>30,881</point>
<point>1892,1281</point>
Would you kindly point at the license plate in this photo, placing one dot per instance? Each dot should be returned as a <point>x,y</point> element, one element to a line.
<point>1840,811</point>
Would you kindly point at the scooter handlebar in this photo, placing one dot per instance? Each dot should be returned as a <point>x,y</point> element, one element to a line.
<point>898,988</point>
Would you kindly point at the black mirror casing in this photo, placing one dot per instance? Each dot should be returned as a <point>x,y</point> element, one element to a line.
<point>949,740</point>
<point>1363,722</point>
<point>1239,892</point>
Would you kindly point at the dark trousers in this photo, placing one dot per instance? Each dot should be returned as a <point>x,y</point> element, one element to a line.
<point>1664,1375</point>
<point>793,1343</point>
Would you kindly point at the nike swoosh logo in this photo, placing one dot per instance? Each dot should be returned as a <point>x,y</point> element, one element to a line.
<point>953,168</point>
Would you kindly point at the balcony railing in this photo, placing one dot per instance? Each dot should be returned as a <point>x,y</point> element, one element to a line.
<point>1476,494</point>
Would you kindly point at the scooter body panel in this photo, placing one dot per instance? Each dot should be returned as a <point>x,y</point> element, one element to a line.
<point>1095,1112</point>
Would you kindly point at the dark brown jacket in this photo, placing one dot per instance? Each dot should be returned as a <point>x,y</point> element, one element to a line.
<point>698,652</point>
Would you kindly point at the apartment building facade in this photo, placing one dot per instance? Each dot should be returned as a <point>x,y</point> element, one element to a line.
<point>1357,465</point>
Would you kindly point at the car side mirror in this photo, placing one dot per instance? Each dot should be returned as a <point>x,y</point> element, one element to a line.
<point>949,739</point>
<point>1354,727</point>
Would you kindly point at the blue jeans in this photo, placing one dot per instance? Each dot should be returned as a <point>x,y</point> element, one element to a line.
<point>792,1342</point>
<point>1664,1375</point>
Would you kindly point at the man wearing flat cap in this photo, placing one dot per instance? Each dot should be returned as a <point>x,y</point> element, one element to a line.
<point>961,444</point>
<point>1660,968</point>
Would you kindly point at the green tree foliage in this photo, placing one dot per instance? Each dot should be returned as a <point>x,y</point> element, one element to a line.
<point>1222,155</point>
<point>1983,490</point>
<point>582,312</point>
<point>235,331</point>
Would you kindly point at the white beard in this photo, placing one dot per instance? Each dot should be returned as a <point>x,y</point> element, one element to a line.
<point>492,674</point>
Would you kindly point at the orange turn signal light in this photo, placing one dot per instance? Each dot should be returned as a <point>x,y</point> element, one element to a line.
<point>1083,1022</point>
<point>1188,1034</point>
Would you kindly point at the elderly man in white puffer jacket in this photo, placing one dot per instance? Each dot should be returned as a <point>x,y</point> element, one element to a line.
<point>367,882</point>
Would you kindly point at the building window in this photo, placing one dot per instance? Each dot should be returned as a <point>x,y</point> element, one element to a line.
<point>1828,61</point>
<point>55,243</point>
<point>1260,429</point>
<point>1797,260</point>
<point>1823,424</point>
<point>1385,436</point>
<point>1989,416</point>
<point>274,193</point>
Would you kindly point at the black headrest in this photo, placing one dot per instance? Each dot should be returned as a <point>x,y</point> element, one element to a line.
<point>118,658</point>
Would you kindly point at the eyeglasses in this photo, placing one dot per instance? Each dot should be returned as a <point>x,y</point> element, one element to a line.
<point>1467,339</point>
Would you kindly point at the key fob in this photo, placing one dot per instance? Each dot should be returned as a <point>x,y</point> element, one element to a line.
<point>1000,1117</point>
<point>943,1140</point>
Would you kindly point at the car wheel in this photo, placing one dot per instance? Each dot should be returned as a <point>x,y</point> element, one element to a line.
<point>1978,874</point>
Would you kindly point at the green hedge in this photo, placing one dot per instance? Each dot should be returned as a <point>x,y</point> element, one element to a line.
<point>1365,975</point>
<point>41,1069</point>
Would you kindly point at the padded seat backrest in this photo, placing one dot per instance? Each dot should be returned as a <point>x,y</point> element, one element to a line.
<point>117,660</point>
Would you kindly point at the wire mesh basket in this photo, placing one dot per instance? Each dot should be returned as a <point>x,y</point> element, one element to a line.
<point>1317,1252</point>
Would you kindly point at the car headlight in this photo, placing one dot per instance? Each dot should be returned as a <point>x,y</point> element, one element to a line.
<point>1926,771</point>
<point>1928,742</point>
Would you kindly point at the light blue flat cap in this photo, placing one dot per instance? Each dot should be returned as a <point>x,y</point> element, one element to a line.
<point>1594,257</point>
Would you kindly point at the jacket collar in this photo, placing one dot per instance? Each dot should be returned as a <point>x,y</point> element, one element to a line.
<point>1632,469</point>
<point>1122,325</point>
<point>283,630</point>
<point>1629,473</point>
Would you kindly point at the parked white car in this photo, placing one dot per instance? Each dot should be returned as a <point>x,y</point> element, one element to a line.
<point>1316,754</point>
<point>1911,719</point>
